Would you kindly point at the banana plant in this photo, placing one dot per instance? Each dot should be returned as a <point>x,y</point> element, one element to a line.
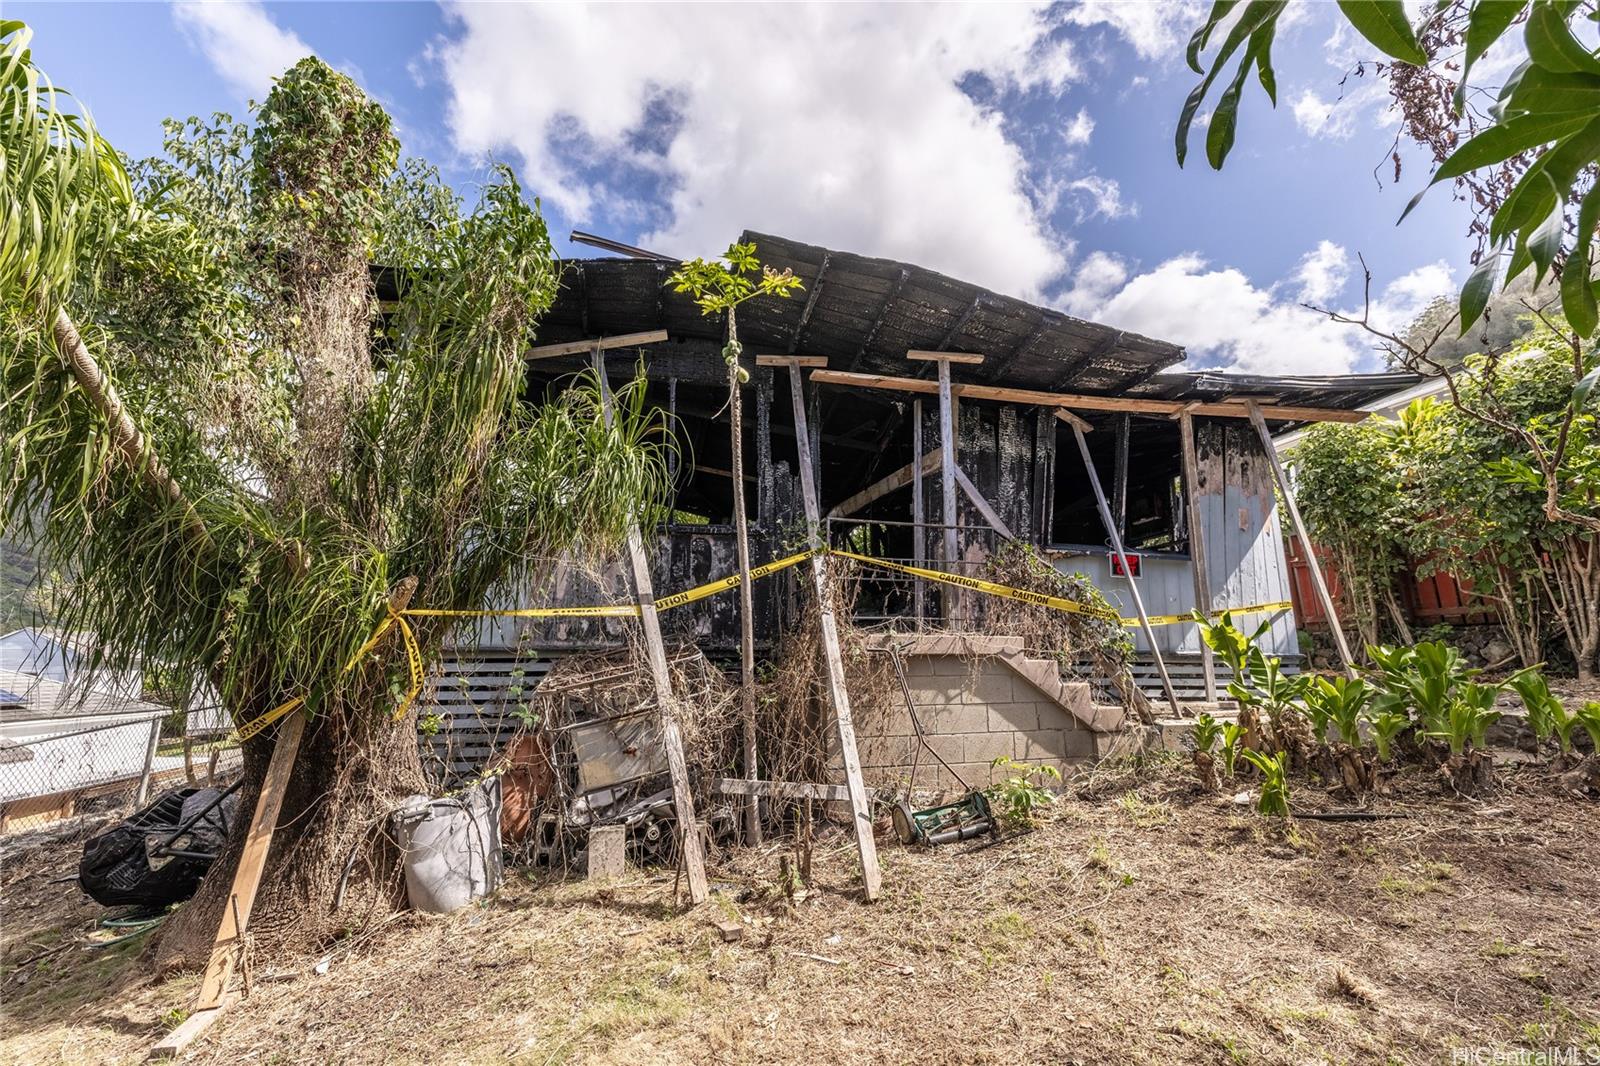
<point>1435,672</point>
<point>1468,717</point>
<point>1392,662</point>
<point>1542,705</point>
<point>1274,797</point>
<point>1342,701</point>
<point>1232,645</point>
<point>1589,718</point>
<point>1232,736</point>
<point>1386,725</point>
<point>1562,723</point>
<point>1206,732</point>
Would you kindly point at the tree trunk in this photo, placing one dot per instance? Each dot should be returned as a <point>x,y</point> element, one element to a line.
<point>353,768</point>
<point>747,637</point>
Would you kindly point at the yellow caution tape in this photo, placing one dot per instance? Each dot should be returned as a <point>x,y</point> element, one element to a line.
<point>614,610</point>
<point>1174,619</point>
<point>415,666</point>
<point>1038,599</point>
<point>711,588</point>
<point>256,725</point>
<point>1043,600</point>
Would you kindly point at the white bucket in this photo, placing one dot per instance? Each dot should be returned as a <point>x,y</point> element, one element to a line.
<point>451,847</point>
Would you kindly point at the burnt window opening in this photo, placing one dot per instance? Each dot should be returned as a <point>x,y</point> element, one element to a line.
<point>1147,501</point>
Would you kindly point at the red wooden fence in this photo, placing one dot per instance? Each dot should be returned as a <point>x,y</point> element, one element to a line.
<point>1427,601</point>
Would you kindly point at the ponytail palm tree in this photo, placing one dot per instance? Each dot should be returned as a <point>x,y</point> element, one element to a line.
<point>241,459</point>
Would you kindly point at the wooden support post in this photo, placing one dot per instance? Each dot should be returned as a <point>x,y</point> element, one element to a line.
<point>919,515</point>
<point>1286,490</point>
<point>188,1031</point>
<point>149,763</point>
<point>1197,543</point>
<point>661,677</point>
<point>229,945</point>
<point>1127,568</point>
<point>947,487</point>
<point>838,693</point>
<point>1119,474</point>
<point>622,340</point>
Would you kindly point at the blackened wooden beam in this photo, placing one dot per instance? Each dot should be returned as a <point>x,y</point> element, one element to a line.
<point>1046,320</point>
<point>1197,544</point>
<point>1318,582</point>
<point>811,304</point>
<point>961,323</point>
<point>877,322</point>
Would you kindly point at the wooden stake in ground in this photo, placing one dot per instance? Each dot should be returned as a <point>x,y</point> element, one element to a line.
<point>228,950</point>
<point>656,653</point>
<point>1197,543</point>
<point>838,694</point>
<point>1116,546</point>
<point>1258,420</point>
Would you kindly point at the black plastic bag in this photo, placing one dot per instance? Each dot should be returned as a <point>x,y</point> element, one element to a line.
<point>157,856</point>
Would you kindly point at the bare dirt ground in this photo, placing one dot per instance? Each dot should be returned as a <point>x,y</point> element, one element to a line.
<point>1143,922</point>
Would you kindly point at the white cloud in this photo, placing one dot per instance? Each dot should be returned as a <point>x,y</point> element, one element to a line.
<point>1096,195</point>
<point>1313,114</point>
<point>1368,104</point>
<point>241,42</point>
<point>1225,320</point>
<point>1156,31</point>
<point>1093,283</point>
<point>1080,129</point>
<point>851,130</point>
<point>1323,272</point>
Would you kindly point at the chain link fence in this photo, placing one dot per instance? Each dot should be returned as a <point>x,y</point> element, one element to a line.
<point>63,766</point>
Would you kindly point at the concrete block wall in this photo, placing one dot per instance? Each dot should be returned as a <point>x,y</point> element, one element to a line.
<point>978,699</point>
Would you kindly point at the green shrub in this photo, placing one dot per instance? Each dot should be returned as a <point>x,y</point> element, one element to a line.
<point>1022,794</point>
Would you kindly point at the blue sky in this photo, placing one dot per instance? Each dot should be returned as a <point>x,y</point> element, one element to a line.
<point>1028,148</point>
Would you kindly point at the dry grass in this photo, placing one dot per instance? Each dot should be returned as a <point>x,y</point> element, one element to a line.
<point>1143,922</point>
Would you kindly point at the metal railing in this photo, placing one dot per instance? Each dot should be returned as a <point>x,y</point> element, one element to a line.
<point>891,599</point>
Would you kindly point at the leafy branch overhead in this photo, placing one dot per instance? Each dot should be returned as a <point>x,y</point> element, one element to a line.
<point>1544,124</point>
<point>720,289</point>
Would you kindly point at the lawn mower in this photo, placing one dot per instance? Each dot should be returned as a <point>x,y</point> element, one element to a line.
<point>966,818</point>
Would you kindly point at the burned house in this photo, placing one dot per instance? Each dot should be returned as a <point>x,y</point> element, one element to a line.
<point>913,384</point>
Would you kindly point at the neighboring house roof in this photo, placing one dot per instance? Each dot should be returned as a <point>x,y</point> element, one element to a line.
<point>39,651</point>
<point>32,697</point>
<point>1386,405</point>
<point>1348,391</point>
